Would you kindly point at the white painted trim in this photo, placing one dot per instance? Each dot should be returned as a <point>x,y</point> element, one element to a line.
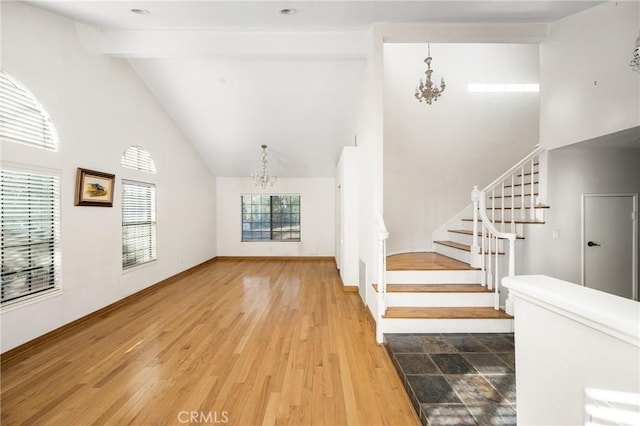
<point>447,325</point>
<point>634,244</point>
<point>30,300</point>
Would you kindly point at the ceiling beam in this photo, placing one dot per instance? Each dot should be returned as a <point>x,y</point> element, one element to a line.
<point>462,33</point>
<point>172,44</point>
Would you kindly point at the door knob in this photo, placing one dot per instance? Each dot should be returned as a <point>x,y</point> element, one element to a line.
<point>591,244</point>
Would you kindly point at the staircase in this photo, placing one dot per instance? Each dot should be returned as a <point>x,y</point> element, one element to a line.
<point>456,289</point>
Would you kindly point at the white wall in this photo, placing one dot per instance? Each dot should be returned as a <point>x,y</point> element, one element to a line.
<point>317,217</point>
<point>347,216</point>
<point>100,107</point>
<point>573,171</point>
<point>369,142</point>
<point>434,154</point>
<point>588,88</point>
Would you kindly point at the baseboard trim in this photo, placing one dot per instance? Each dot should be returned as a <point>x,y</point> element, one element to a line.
<point>23,349</point>
<point>275,258</point>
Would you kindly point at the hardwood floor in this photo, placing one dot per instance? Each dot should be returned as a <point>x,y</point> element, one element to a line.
<point>241,342</point>
<point>424,261</point>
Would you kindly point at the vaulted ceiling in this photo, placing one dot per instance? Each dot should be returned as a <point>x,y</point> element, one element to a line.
<point>236,74</point>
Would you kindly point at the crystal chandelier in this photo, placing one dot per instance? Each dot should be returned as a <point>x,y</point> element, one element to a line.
<point>263,178</point>
<point>635,62</point>
<point>427,91</point>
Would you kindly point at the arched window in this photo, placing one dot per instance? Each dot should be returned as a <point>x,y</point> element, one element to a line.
<point>22,117</point>
<point>137,158</point>
<point>29,200</point>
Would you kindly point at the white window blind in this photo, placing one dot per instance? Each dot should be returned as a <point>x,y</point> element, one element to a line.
<point>138,223</point>
<point>30,221</point>
<point>22,117</point>
<point>137,158</point>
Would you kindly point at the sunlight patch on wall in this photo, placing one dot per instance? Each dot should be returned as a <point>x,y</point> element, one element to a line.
<point>503,88</point>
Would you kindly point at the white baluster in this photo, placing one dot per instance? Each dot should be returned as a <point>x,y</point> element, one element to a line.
<point>513,202</point>
<point>532,212</point>
<point>496,300</point>
<point>483,277</point>
<point>522,203</point>
<point>475,249</point>
<point>490,268</point>
<point>502,208</point>
<point>493,206</point>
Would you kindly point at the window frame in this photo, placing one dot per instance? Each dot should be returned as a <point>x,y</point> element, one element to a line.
<point>35,128</point>
<point>151,222</point>
<point>52,233</point>
<point>285,219</point>
<point>135,157</point>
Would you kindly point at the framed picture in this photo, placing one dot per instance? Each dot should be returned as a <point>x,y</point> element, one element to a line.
<point>94,188</point>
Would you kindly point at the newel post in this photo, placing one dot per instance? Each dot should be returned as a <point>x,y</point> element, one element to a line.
<point>476,257</point>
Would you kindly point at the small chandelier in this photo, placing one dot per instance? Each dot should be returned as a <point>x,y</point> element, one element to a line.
<point>427,91</point>
<point>635,62</point>
<point>263,178</point>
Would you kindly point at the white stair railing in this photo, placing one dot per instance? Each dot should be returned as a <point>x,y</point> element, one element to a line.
<point>499,222</point>
<point>383,234</point>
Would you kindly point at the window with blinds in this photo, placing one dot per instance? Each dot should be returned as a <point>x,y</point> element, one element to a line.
<point>30,221</point>
<point>137,158</point>
<point>138,223</point>
<point>270,217</point>
<point>22,117</point>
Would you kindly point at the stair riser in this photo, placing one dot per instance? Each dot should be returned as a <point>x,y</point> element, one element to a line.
<point>468,226</point>
<point>468,239</point>
<point>509,190</point>
<point>434,277</point>
<point>461,255</point>
<point>397,325</point>
<point>440,299</point>
<point>538,214</point>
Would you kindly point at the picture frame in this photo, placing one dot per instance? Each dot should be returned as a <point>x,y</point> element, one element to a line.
<point>94,188</point>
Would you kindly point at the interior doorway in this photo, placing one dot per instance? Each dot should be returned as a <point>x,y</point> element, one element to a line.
<point>610,243</point>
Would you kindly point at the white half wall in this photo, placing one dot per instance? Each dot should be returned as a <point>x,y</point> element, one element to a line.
<point>588,88</point>
<point>570,338</point>
<point>434,154</point>
<point>317,217</point>
<point>100,107</point>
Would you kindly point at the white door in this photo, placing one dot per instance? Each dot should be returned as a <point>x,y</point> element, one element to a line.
<point>609,243</point>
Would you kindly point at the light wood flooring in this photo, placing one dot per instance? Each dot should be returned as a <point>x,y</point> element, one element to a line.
<point>252,342</point>
<point>424,261</point>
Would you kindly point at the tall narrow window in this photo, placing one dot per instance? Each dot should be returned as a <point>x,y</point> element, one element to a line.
<point>22,117</point>
<point>30,222</point>
<point>271,217</point>
<point>138,223</point>
<point>137,158</point>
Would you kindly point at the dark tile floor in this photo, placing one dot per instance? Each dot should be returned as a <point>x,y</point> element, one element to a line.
<point>457,379</point>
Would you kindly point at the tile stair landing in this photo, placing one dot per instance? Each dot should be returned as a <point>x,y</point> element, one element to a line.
<point>457,379</point>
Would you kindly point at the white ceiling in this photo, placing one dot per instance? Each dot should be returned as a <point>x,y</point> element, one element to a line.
<point>302,106</point>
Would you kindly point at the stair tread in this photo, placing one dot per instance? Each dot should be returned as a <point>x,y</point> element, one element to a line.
<point>512,196</point>
<point>520,184</point>
<point>517,222</point>
<point>445,313</point>
<point>435,288</point>
<point>466,232</point>
<point>460,246</point>
<point>425,261</point>
<point>537,206</point>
